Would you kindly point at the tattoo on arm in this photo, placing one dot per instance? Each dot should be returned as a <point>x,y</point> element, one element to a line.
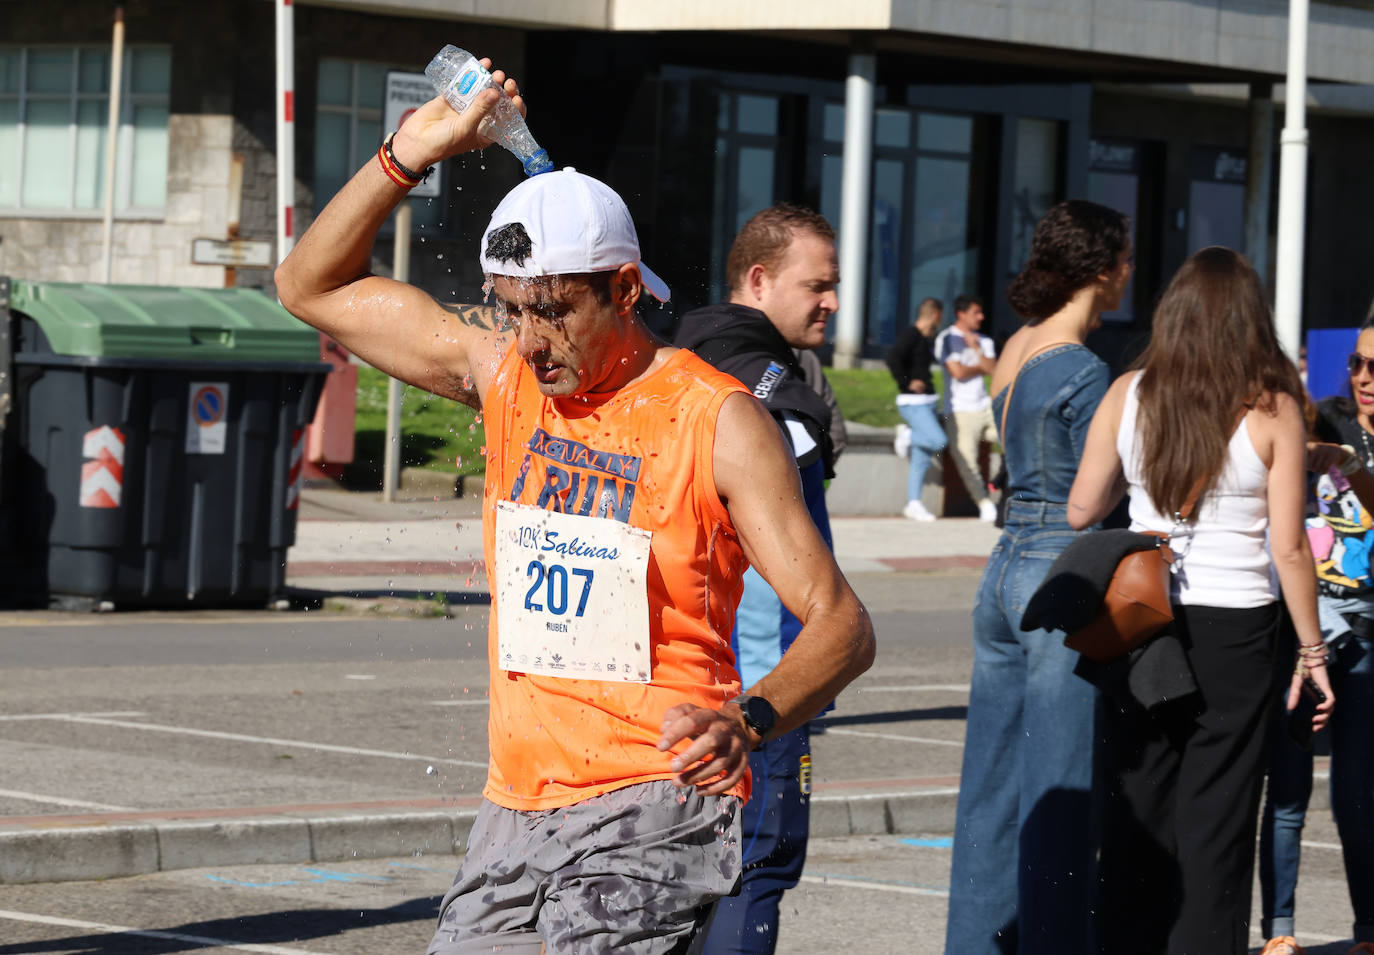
<point>476,316</point>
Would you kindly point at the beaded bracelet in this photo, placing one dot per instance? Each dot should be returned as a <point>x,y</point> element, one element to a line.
<point>1310,658</point>
<point>395,170</point>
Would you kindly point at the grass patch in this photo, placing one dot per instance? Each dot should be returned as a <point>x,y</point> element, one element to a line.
<point>444,436</point>
<point>436,433</point>
<point>869,395</point>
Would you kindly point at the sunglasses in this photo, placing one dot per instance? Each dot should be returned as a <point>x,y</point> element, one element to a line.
<point>1356,361</point>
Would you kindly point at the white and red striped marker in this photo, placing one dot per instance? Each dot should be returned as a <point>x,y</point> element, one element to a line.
<point>102,473</point>
<point>286,127</point>
<point>293,475</point>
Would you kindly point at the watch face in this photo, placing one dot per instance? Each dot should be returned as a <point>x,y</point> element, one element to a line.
<point>760,715</point>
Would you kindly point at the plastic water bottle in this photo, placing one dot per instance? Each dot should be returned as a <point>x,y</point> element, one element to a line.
<point>458,77</point>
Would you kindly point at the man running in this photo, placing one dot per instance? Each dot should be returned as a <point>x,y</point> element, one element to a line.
<point>626,484</point>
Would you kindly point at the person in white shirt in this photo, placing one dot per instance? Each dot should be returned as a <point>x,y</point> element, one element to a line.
<point>966,356</point>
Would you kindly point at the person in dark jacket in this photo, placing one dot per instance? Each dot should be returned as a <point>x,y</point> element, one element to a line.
<point>910,359</point>
<point>782,271</point>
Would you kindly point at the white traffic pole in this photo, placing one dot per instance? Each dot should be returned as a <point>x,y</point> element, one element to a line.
<point>112,140</point>
<point>1292,187</point>
<point>391,457</point>
<point>855,207</point>
<point>286,129</point>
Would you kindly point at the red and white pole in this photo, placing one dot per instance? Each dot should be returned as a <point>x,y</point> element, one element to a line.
<point>286,129</point>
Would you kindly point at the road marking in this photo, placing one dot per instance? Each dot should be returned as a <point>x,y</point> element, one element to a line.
<point>59,801</point>
<point>898,794</point>
<point>1321,845</point>
<point>830,730</point>
<point>13,717</point>
<point>916,688</point>
<point>272,741</point>
<point>848,883</point>
<point>272,617</point>
<point>460,702</point>
<point>107,929</point>
<point>359,676</point>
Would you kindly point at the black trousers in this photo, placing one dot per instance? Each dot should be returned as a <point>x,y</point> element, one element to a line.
<point>1183,790</point>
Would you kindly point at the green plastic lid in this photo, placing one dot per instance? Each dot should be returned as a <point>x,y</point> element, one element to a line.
<point>155,321</point>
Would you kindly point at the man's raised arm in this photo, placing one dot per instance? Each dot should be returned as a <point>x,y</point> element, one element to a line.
<point>393,326</point>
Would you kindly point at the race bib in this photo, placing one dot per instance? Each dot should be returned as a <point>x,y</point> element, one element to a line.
<point>572,595</point>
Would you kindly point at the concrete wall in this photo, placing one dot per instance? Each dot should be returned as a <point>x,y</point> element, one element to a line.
<point>1241,35</point>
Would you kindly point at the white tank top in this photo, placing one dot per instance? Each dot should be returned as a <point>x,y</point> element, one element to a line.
<point>1224,555</point>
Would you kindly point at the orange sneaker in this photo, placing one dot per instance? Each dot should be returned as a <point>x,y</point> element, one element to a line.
<point>1282,945</point>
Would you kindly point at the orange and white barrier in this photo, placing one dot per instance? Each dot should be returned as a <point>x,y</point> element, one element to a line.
<point>293,475</point>
<point>102,474</point>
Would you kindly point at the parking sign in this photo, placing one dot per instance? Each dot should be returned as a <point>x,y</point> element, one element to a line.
<point>405,93</point>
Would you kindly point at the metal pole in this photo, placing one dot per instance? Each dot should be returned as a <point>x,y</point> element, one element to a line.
<point>391,460</point>
<point>286,129</point>
<point>112,140</point>
<point>855,206</point>
<point>1292,187</point>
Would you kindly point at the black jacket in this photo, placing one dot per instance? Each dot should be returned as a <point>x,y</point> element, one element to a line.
<point>742,342</point>
<point>910,358</point>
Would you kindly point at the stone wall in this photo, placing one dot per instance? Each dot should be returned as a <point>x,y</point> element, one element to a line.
<point>146,251</point>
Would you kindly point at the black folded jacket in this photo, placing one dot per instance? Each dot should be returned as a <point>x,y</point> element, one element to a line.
<point>1071,594</point>
<point>1070,597</point>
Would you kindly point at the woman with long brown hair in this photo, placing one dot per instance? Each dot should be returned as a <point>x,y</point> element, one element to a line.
<point>1208,437</point>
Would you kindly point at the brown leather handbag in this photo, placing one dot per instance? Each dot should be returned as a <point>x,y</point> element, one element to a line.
<point>1136,605</point>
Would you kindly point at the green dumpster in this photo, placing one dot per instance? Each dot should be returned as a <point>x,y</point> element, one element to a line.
<point>151,452</point>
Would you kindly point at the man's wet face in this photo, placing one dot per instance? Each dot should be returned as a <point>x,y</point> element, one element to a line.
<point>564,330</point>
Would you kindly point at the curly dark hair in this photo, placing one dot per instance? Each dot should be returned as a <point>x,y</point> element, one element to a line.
<point>1074,242</point>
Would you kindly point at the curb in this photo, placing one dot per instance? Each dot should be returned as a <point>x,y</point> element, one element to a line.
<point>68,852</point>
<point>79,853</point>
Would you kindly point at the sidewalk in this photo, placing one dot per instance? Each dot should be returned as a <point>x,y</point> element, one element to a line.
<point>353,542</point>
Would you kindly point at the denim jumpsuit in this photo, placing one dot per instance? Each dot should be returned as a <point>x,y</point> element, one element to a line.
<point>1024,838</point>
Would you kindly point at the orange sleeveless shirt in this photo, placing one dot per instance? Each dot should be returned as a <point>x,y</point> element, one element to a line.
<point>641,456</point>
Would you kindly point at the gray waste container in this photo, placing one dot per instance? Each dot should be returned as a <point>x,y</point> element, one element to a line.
<point>151,451</point>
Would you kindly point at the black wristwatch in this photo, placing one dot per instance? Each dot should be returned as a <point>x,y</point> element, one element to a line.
<point>759,714</point>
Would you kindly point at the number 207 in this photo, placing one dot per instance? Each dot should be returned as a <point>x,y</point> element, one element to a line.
<point>554,580</point>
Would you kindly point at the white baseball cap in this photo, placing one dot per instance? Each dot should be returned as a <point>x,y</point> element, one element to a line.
<point>576,224</point>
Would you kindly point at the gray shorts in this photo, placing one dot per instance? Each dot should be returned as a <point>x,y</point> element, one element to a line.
<point>635,870</point>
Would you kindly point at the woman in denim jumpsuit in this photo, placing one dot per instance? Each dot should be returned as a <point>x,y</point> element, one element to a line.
<point>1024,840</point>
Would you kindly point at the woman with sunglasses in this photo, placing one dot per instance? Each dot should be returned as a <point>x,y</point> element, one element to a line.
<point>1341,531</point>
<point>1208,437</point>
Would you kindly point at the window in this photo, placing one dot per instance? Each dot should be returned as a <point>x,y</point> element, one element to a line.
<point>1035,181</point>
<point>925,237</point>
<point>348,130</point>
<point>747,131</point>
<point>54,118</point>
<point>1216,198</point>
<point>1114,171</point>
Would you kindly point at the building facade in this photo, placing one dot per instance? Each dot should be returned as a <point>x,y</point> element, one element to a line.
<point>982,113</point>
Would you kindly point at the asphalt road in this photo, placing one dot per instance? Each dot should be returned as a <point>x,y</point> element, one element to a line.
<point>882,894</point>
<point>206,710</point>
